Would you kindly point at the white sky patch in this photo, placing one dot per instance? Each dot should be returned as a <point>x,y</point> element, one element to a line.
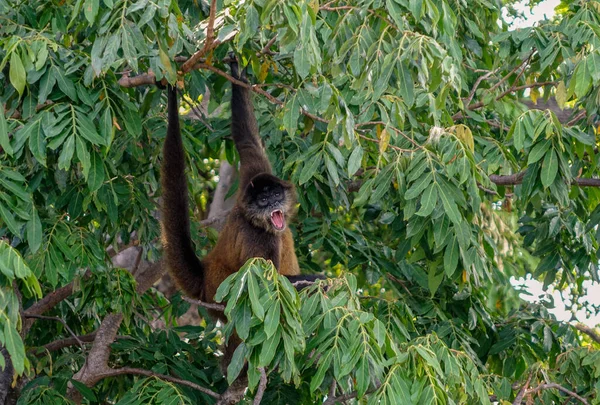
<point>542,11</point>
<point>534,288</point>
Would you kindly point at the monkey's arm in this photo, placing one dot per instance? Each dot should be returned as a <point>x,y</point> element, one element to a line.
<point>244,130</point>
<point>179,252</point>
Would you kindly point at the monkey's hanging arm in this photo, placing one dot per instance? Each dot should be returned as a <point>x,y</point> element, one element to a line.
<point>177,241</point>
<point>244,130</point>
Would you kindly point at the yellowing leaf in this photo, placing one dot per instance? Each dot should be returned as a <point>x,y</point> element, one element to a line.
<point>561,94</point>
<point>384,140</point>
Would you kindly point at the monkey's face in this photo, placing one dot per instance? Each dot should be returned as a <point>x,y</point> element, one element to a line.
<point>268,202</point>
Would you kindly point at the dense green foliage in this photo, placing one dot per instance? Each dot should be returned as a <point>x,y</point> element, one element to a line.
<point>424,184</point>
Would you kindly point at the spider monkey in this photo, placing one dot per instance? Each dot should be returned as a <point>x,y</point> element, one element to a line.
<point>255,227</point>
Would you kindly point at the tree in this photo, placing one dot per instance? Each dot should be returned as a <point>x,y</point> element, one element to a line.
<point>425,183</point>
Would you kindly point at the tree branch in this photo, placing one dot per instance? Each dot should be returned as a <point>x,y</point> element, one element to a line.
<point>262,386</point>
<point>209,43</point>
<point>560,388</point>
<point>588,331</point>
<point>523,390</point>
<point>517,178</point>
<point>147,373</point>
<point>57,319</point>
<point>208,305</point>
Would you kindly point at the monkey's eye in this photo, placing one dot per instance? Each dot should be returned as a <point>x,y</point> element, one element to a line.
<point>277,194</point>
<point>263,200</point>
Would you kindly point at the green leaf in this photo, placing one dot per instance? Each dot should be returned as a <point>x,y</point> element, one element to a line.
<point>450,206</point>
<point>428,201</point>
<point>46,85</point>
<point>14,346</point>
<point>332,170</point>
<point>272,319</point>
<point>17,73</point>
<point>9,220</point>
<point>85,391</point>
<point>310,168</point>
<point>269,349</point>
<point>548,339</point>
<point>434,280</point>
<point>37,143</point>
<point>253,292</point>
<point>4,140</point>
<point>451,254</point>
<point>237,363</point>
<point>549,168</point>
<point>90,10</point>
<point>302,59</point>
<point>64,83</point>
<point>96,175</point>
<point>418,186</point>
<point>34,231</point>
<point>538,151</point>
<point>64,159</point>
<point>362,376</point>
<point>407,86</point>
<point>355,160</point>
<point>83,155</point>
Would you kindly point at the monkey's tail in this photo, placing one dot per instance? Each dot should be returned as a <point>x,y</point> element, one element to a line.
<point>179,252</point>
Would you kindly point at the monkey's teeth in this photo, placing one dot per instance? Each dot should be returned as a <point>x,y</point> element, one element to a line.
<point>277,219</point>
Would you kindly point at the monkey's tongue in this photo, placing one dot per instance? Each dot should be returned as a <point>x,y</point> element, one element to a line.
<point>277,219</point>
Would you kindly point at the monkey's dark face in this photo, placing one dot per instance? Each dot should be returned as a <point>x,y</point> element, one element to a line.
<point>268,202</point>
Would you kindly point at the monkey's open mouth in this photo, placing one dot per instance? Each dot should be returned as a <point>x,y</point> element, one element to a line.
<point>278,220</point>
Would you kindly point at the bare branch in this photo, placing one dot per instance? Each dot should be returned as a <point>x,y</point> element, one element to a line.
<point>560,388</point>
<point>588,331</point>
<point>262,386</point>
<point>476,85</point>
<point>269,44</point>
<point>147,373</point>
<point>517,178</point>
<point>209,43</point>
<point>523,390</point>
<point>62,343</point>
<point>208,305</point>
<point>136,81</point>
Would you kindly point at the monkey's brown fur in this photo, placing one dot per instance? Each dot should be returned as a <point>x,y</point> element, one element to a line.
<point>247,233</point>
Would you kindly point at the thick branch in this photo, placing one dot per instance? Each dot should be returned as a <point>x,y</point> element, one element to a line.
<point>588,331</point>
<point>560,388</point>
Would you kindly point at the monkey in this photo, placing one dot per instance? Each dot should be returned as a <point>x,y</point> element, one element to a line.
<point>257,226</point>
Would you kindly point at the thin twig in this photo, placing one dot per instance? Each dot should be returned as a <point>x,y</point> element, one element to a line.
<point>148,373</point>
<point>476,85</point>
<point>57,319</point>
<point>208,305</point>
<point>265,49</point>
<point>262,386</point>
<point>560,388</point>
<point>392,128</point>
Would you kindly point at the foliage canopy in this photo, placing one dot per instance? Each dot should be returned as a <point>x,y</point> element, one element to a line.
<point>437,153</point>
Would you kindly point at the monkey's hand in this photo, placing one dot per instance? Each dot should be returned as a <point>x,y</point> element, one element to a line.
<point>235,68</point>
<point>302,281</point>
